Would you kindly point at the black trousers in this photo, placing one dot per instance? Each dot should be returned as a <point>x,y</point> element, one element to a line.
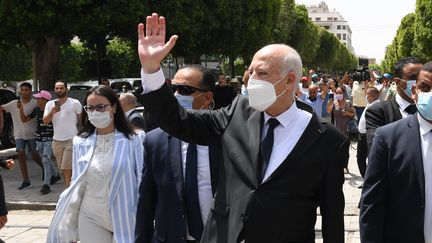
<point>362,153</point>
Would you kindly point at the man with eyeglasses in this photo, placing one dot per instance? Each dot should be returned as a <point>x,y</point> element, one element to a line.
<point>64,113</point>
<point>179,179</point>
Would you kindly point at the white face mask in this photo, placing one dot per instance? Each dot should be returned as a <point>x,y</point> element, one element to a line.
<point>100,119</point>
<point>262,93</point>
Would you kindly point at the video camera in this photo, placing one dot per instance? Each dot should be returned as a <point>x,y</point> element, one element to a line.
<point>360,74</point>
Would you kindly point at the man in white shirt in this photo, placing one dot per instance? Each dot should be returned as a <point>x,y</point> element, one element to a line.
<point>24,132</point>
<point>372,96</point>
<point>170,167</point>
<point>128,102</point>
<point>64,114</point>
<point>279,161</point>
<point>396,203</point>
<point>402,105</point>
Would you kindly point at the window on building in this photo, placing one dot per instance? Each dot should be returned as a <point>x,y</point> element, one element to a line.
<point>338,36</point>
<point>334,18</point>
<point>338,27</point>
<point>329,18</point>
<point>344,27</point>
<point>344,36</point>
<point>327,27</point>
<point>318,19</point>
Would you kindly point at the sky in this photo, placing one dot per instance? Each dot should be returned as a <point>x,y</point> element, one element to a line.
<point>373,22</point>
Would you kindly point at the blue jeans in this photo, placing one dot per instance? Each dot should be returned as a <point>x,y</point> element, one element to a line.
<point>45,151</point>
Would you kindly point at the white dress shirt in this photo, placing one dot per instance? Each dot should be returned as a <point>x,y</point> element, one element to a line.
<point>205,194</point>
<point>403,104</point>
<point>293,122</point>
<point>426,144</point>
<point>362,121</point>
<point>154,81</point>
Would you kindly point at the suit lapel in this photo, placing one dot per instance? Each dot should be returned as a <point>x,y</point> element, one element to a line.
<point>214,158</point>
<point>414,136</point>
<point>312,132</point>
<point>396,110</point>
<point>254,124</point>
<point>175,158</point>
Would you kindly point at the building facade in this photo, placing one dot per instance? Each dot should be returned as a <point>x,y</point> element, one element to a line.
<point>333,22</point>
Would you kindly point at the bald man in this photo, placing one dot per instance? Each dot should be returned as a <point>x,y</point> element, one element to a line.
<point>372,96</point>
<point>279,162</point>
<point>129,102</point>
<point>314,99</point>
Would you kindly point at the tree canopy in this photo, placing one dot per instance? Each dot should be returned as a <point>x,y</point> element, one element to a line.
<point>230,28</point>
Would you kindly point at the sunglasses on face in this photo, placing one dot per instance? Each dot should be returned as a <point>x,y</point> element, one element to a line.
<point>98,107</point>
<point>184,89</point>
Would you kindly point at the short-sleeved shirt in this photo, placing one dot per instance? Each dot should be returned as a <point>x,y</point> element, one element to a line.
<point>22,130</point>
<point>44,132</point>
<point>65,121</point>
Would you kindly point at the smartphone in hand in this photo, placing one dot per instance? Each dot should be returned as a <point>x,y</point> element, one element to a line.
<point>331,96</point>
<point>57,104</point>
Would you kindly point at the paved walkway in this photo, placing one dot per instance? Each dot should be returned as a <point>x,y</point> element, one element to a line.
<point>30,213</point>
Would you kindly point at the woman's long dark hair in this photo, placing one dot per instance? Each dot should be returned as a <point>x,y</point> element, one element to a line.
<point>120,122</point>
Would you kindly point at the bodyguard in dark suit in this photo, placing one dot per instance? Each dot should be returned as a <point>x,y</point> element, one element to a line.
<point>129,102</point>
<point>402,105</point>
<point>396,202</point>
<point>166,197</point>
<point>279,162</point>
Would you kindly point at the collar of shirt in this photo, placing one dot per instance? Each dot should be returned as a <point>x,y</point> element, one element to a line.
<point>403,104</point>
<point>425,126</point>
<point>127,113</point>
<point>373,102</point>
<point>286,117</point>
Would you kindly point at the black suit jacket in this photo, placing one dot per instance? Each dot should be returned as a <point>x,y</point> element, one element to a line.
<point>3,209</point>
<point>161,197</point>
<point>380,114</point>
<point>392,203</point>
<point>283,208</point>
<point>136,119</point>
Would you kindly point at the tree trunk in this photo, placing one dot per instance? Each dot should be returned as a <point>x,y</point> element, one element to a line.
<point>232,66</point>
<point>45,62</point>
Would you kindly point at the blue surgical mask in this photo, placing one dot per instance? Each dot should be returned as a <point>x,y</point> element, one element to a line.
<point>408,90</point>
<point>184,100</point>
<point>424,105</point>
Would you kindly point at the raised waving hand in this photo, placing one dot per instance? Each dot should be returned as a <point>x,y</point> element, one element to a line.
<point>152,48</point>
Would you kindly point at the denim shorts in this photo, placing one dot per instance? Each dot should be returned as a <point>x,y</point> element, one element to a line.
<point>21,144</point>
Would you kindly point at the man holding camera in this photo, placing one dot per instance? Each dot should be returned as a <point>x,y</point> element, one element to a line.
<point>362,80</point>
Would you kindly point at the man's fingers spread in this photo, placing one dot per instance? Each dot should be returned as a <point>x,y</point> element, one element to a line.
<point>148,25</point>
<point>162,26</point>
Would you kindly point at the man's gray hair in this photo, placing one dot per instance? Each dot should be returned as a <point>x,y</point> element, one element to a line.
<point>292,62</point>
<point>129,98</point>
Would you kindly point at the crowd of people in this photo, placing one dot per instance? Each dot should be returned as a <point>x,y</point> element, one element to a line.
<point>228,165</point>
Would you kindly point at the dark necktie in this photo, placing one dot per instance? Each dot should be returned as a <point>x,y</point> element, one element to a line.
<point>193,212</point>
<point>411,109</point>
<point>267,145</point>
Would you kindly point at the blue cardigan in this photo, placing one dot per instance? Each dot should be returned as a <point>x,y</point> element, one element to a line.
<point>123,194</point>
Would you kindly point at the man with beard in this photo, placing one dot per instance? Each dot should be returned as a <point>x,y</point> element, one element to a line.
<point>23,132</point>
<point>64,114</point>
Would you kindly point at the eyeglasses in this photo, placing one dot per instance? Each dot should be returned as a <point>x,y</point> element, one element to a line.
<point>98,107</point>
<point>185,89</point>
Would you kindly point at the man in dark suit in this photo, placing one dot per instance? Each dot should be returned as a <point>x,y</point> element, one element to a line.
<point>279,162</point>
<point>396,203</point>
<point>165,199</point>
<point>399,106</point>
<point>128,102</point>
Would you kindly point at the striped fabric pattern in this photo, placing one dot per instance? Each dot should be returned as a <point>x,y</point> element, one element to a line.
<point>123,195</point>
